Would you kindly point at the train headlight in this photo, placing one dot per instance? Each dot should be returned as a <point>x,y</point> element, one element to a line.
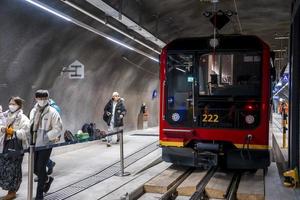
<point>175,117</point>
<point>249,119</point>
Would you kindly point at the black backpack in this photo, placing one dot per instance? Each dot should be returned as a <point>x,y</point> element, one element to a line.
<point>69,137</point>
<point>89,128</point>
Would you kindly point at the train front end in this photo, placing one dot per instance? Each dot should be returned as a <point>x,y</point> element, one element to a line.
<point>214,102</point>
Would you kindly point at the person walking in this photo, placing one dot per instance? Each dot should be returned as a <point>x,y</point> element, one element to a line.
<point>114,112</point>
<point>14,130</point>
<point>2,117</point>
<point>46,127</point>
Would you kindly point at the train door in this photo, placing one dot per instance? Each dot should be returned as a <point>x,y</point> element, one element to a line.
<point>181,90</point>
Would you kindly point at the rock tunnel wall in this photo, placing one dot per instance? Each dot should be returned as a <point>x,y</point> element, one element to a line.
<point>34,48</point>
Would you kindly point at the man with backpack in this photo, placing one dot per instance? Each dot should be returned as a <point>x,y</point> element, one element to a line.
<point>114,113</point>
<point>46,127</point>
<point>51,164</point>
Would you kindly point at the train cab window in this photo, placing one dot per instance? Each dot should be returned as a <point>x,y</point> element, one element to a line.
<point>180,78</point>
<point>229,74</point>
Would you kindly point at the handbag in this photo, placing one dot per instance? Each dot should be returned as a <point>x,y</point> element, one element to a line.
<point>13,147</point>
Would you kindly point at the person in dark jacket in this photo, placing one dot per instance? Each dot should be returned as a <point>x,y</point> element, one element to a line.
<point>114,113</point>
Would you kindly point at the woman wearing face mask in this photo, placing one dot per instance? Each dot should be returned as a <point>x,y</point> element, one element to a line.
<point>17,126</point>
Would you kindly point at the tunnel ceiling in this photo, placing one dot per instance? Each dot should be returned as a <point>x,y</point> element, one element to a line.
<point>170,19</point>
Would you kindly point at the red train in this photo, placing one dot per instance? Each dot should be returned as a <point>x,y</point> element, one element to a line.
<point>215,102</point>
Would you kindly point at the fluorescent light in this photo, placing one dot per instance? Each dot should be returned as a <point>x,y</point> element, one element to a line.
<point>279,50</point>
<point>281,89</point>
<point>120,43</point>
<point>180,69</point>
<point>45,7</point>
<point>152,58</point>
<point>109,25</point>
<point>89,28</point>
<point>281,38</point>
<point>279,83</point>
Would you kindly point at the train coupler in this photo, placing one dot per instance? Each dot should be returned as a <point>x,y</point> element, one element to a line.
<point>207,159</point>
<point>291,178</point>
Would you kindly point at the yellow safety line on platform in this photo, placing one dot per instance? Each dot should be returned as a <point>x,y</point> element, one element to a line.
<point>171,143</point>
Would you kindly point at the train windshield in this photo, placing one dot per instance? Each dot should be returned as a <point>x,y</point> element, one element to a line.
<point>194,81</point>
<point>229,74</point>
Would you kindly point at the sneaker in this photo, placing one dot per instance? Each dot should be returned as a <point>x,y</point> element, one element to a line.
<point>50,169</point>
<point>108,145</point>
<point>48,184</point>
<point>36,179</point>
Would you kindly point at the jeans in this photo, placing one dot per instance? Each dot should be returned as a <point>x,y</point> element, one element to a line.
<point>113,129</point>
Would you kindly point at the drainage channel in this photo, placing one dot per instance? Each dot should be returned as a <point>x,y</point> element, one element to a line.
<point>96,178</point>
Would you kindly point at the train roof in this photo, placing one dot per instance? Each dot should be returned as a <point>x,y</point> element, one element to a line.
<point>226,42</point>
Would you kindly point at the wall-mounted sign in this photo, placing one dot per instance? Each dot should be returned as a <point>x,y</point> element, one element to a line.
<point>154,94</point>
<point>75,70</point>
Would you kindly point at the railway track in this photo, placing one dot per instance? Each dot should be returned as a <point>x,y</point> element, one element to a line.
<point>211,184</point>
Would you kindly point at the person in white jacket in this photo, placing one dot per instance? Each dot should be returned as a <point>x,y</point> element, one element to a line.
<point>46,127</point>
<point>2,117</point>
<point>16,126</point>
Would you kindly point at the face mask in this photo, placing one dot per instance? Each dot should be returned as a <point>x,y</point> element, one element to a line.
<point>13,108</point>
<point>1,115</point>
<point>42,103</point>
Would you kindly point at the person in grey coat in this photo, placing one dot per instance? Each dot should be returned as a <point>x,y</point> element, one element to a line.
<point>46,127</point>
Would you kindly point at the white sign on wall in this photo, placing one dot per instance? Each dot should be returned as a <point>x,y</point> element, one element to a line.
<point>75,70</point>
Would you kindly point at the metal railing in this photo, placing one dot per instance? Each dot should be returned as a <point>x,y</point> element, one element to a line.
<point>32,148</point>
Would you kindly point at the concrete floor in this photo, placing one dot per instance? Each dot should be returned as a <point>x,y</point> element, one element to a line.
<point>277,132</point>
<point>81,160</point>
<point>274,181</point>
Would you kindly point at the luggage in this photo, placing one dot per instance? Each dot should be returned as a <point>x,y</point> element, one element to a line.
<point>69,137</point>
<point>98,134</point>
<point>80,136</point>
<point>89,128</point>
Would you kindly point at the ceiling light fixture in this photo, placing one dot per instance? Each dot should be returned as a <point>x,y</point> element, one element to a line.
<point>48,9</point>
<point>109,25</point>
<point>281,38</point>
<point>281,89</point>
<point>89,28</point>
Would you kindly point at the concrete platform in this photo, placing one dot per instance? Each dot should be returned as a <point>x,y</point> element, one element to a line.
<point>78,161</point>
<point>274,189</point>
<point>280,153</point>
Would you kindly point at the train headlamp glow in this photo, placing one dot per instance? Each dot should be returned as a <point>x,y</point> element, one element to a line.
<point>249,119</point>
<point>213,42</point>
